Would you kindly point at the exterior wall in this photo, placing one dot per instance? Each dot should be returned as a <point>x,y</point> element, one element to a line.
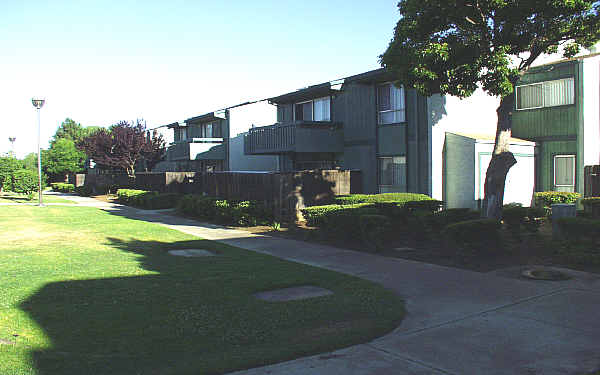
<point>561,129</point>
<point>520,180</point>
<point>591,111</point>
<point>476,115</point>
<point>465,165</point>
<point>239,120</point>
<point>238,161</point>
<point>459,171</point>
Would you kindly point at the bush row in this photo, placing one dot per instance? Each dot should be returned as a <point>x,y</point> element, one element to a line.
<point>147,199</point>
<point>374,198</point>
<point>546,199</point>
<point>242,213</point>
<point>63,187</point>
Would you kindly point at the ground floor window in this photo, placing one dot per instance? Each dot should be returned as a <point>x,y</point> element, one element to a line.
<point>392,174</point>
<point>564,173</point>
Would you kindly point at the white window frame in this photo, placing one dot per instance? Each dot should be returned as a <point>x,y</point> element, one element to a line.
<point>543,95</point>
<point>574,157</point>
<point>403,109</point>
<point>312,114</point>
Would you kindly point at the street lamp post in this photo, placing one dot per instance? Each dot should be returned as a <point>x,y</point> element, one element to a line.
<point>38,104</point>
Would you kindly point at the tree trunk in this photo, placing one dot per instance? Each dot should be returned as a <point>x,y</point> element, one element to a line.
<point>502,161</point>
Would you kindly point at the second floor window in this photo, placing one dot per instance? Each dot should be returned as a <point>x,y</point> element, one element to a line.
<point>546,94</point>
<point>206,130</point>
<point>390,104</point>
<point>313,110</point>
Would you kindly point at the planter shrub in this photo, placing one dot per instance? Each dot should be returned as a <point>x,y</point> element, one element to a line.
<point>84,191</point>
<point>546,199</point>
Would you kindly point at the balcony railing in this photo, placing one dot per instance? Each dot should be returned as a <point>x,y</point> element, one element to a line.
<point>313,136</point>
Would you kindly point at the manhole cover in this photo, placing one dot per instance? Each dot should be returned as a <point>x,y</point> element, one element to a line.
<point>545,274</point>
<point>192,253</point>
<point>295,293</point>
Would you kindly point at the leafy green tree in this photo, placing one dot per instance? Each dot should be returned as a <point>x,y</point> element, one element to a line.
<point>24,181</point>
<point>72,130</point>
<point>8,166</point>
<point>30,161</point>
<point>62,158</point>
<point>455,46</point>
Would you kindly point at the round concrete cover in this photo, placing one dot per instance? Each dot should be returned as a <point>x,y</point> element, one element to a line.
<point>290,294</point>
<point>192,253</point>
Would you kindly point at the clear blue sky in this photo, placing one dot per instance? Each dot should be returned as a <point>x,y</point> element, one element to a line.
<point>99,62</point>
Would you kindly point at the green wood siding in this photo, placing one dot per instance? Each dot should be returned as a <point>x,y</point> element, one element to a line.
<point>547,151</point>
<point>560,121</point>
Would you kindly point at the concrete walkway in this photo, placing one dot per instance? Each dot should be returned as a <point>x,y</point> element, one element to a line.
<point>458,321</point>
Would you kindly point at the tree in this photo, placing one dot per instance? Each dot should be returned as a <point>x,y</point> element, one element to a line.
<point>454,46</point>
<point>155,150</point>
<point>8,166</point>
<point>122,146</point>
<point>30,161</point>
<point>63,158</point>
<point>72,130</point>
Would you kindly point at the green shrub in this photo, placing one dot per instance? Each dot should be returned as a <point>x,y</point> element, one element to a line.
<point>592,206</point>
<point>84,191</point>
<point>579,229</point>
<point>374,198</point>
<point>427,205</point>
<point>134,197</point>
<point>513,216</point>
<point>373,229</point>
<point>478,234</point>
<point>315,215</point>
<point>440,220</point>
<point>546,199</point>
<point>161,201</point>
<point>345,223</point>
<point>24,181</point>
<point>242,213</point>
<point>62,187</point>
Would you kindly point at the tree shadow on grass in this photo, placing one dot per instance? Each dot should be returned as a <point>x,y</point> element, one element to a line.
<point>195,315</point>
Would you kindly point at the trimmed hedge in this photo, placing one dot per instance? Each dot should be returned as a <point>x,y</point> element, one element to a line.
<point>315,215</point>
<point>480,233</point>
<point>242,213</point>
<point>63,187</point>
<point>516,217</point>
<point>440,220</point>
<point>578,228</point>
<point>399,198</point>
<point>152,200</point>
<point>592,206</point>
<point>84,191</point>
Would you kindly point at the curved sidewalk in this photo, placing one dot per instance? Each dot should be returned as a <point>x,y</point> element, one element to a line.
<point>458,322</point>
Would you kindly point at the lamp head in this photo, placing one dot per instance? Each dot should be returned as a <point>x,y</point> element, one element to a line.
<point>38,102</point>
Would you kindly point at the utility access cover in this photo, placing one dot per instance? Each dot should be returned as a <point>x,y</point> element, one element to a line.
<point>291,294</point>
<point>192,253</point>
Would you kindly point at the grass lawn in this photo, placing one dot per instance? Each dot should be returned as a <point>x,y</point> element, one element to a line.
<point>86,292</point>
<point>21,198</point>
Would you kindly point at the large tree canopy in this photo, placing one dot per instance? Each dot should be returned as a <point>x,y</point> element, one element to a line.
<point>453,47</point>
<point>123,145</point>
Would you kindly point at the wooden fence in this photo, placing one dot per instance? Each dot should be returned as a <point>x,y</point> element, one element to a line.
<point>285,193</point>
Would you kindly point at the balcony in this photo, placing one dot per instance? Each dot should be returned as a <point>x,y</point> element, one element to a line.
<point>304,136</point>
<point>197,149</point>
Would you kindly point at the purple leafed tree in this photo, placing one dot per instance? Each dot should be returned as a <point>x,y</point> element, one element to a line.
<point>123,145</point>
